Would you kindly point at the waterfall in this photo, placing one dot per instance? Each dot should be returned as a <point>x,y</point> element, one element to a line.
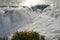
<point>21,18</point>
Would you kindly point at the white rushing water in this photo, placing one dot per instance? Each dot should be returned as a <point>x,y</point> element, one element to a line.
<point>10,2</point>
<point>46,22</point>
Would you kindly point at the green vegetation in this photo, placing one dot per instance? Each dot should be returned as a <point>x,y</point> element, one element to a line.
<point>27,36</point>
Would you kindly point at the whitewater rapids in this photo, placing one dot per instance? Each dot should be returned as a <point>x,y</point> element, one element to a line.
<point>25,19</point>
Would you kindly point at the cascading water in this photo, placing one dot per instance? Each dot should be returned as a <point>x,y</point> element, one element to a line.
<point>12,19</point>
<point>46,22</point>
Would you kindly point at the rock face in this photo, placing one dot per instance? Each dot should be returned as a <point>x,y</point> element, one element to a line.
<point>41,7</point>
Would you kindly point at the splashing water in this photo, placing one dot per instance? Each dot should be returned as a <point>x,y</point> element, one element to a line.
<point>22,18</point>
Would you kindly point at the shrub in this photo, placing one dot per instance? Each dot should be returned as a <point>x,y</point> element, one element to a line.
<point>26,36</point>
